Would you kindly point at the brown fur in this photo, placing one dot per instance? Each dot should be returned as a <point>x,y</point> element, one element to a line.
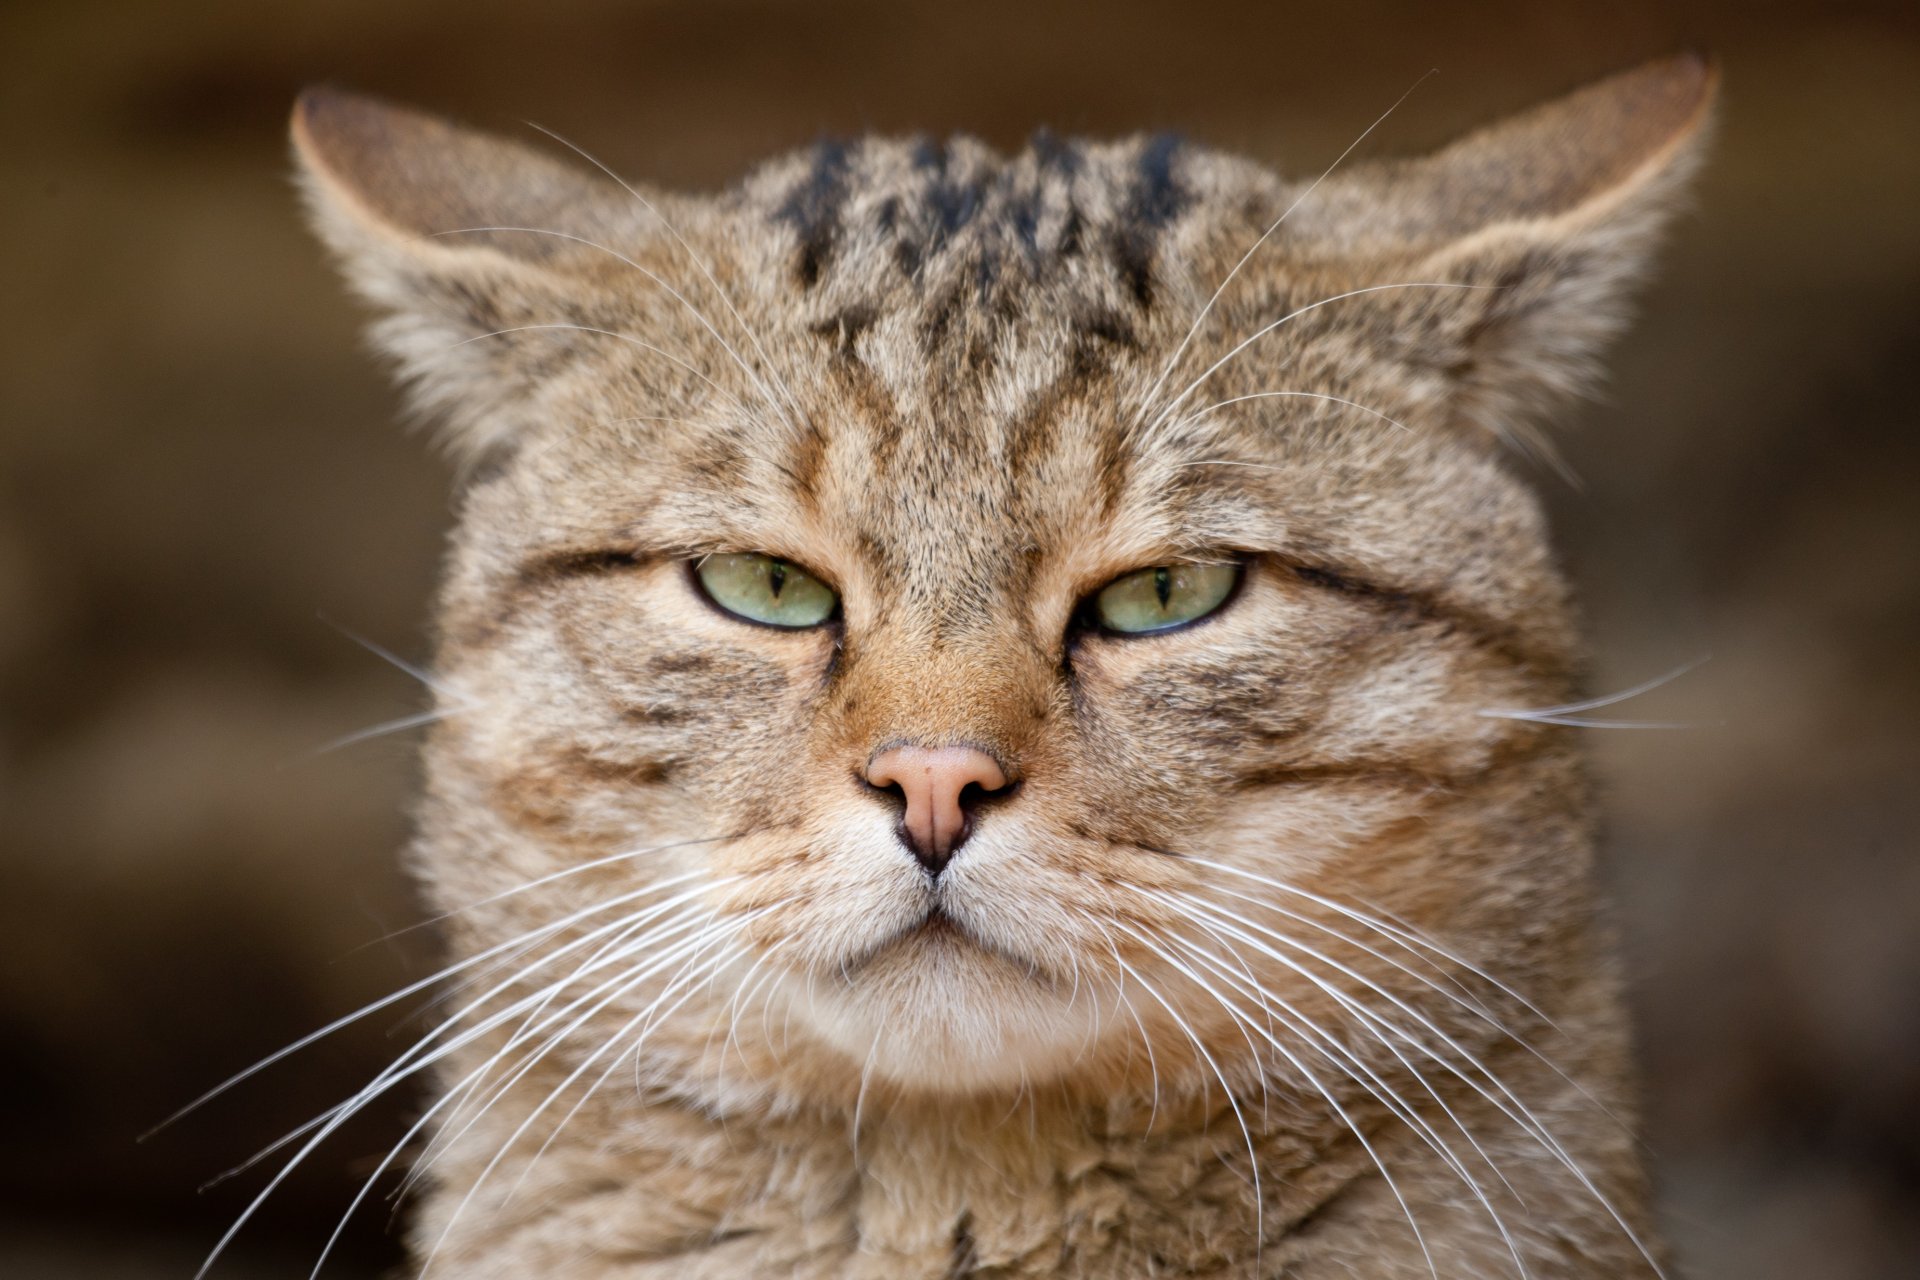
<point>945,398</point>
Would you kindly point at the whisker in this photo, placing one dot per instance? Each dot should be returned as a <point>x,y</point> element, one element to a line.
<point>677,296</point>
<point>609,860</point>
<point>1319,1038</point>
<point>449,1096</point>
<point>1197,414</point>
<point>620,931</point>
<point>534,1022</point>
<point>336,1117</point>
<point>620,337</point>
<point>860,1094</point>
<point>1398,933</point>
<point>1120,998</point>
<point>418,672</point>
<point>387,1001</point>
<point>617,986</point>
<point>1233,1101</point>
<point>1295,314</point>
<point>1173,361</point>
<point>1349,1063</point>
<point>1570,714</point>
<point>1571,722</point>
<point>1313,1080</point>
<point>1353,1067</point>
<point>462,701</point>
<point>693,972</point>
<point>531,1005</point>
<point>1458,994</point>
<point>398,725</point>
<point>1528,1122</point>
<point>759,975</point>
<point>1413,942</point>
<point>1227,462</point>
<point>726,299</point>
<point>393,1073</point>
<point>689,951</point>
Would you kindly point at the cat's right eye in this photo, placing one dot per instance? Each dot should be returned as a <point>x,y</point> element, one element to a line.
<point>767,590</point>
<point>1163,597</point>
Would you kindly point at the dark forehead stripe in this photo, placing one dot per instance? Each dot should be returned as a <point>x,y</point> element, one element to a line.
<point>951,198</point>
<point>931,214</point>
<point>812,208</point>
<point>1155,201</point>
<point>1055,154</point>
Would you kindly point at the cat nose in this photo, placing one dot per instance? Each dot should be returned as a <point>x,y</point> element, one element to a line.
<point>940,785</point>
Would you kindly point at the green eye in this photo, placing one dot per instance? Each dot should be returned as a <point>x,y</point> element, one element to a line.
<point>762,589</point>
<point>1164,596</point>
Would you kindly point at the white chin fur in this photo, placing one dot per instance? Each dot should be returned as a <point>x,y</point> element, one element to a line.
<point>940,1014</point>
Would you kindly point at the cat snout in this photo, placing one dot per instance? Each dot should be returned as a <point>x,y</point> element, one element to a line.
<point>941,787</point>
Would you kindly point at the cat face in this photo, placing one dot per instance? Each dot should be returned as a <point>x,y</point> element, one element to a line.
<point>991,655</point>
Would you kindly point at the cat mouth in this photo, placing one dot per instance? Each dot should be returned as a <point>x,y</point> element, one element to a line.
<point>938,918</point>
<point>937,929</point>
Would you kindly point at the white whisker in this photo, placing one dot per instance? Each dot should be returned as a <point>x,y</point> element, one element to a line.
<point>1458,994</point>
<point>1233,1101</point>
<point>443,689</point>
<point>1173,361</point>
<point>411,989</point>
<point>1295,314</point>
<point>1290,395</point>
<point>621,950</point>
<point>1570,714</point>
<point>692,968</point>
<point>860,1095</point>
<point>759,975</point>
<point>1312,1080</point>
<point>338,1116</point>
<point>418,672</point>
<point>1120,998</point>
<point>1399,933</point>
<point>694,971</point>
<point>398,725</point>
<point>628,338</point>
<point>605,993</point>
<point>677,296</point>
<point>1525,1119</point>
<point>726,299</point>
<point>1351,1063</point>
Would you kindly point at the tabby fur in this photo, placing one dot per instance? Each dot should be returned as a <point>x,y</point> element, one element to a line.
<point>1282,957</point>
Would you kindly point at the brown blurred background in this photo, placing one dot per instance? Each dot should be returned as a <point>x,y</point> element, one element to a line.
<point>202,485</point>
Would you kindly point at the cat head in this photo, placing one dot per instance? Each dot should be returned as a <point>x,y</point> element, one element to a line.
<point>1009,616</point>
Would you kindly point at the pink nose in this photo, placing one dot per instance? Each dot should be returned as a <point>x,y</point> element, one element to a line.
<point>935,781</point>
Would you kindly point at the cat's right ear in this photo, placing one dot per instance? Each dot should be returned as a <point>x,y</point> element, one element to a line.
<point>1540,224</point>
<point>472,247</point>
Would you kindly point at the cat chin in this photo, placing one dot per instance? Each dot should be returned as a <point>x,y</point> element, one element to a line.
<point>939,1014</point>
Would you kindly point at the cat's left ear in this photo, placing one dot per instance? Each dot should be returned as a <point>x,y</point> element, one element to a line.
<point>1550,216</point>
<point>479,252</point>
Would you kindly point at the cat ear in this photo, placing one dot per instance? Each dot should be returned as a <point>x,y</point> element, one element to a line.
<point>1551,216</point>
<point>419,213</point>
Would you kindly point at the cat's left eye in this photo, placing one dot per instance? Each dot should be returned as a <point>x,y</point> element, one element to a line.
<point>1163,597</point>
<point>767,590</point>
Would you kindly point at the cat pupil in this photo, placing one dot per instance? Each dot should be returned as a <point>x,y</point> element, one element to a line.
<point>1163,585</point>
<point>777,578</point>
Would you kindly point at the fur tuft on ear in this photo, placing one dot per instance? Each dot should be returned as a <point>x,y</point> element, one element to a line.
<point>420,214</point>
<point>1551,215</point>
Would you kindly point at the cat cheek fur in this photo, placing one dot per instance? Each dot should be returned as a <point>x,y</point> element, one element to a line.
<point>1261,893</point>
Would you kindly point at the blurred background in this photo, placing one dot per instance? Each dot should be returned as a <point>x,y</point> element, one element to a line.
<point>204,492</point>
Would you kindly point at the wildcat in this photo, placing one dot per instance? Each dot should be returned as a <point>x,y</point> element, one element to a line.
<point>976,703</point>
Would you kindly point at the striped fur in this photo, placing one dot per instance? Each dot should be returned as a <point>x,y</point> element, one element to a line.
<point>1242,978</point>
